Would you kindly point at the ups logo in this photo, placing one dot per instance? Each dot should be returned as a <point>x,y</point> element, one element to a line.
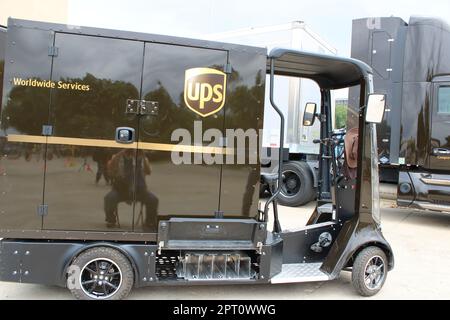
<point>204,90</point>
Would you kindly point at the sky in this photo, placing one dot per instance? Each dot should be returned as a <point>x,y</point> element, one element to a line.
<point>330,19</point>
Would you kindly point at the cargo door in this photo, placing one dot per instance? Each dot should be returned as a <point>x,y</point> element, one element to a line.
<point>24,112</point>
<point>440,128</point>
<point>381,64</point>
<point>93,78</point>
<point>381,54</point>
<point>174,116</point>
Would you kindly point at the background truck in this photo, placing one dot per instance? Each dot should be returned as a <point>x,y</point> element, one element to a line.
<point>300,167</point>
<point>411,64</point>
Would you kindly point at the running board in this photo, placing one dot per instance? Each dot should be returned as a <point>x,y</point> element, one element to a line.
<point>300,272</point>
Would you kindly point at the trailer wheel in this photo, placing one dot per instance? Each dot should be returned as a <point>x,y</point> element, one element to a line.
<point>369,271</point>
<point>103,274</point>
<point>298,186</point>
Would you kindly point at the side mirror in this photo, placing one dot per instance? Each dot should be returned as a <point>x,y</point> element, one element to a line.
<point>310,114</point>
<point>375,108</point>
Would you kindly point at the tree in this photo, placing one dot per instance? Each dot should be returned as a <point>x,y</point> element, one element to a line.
<point>341,116</point>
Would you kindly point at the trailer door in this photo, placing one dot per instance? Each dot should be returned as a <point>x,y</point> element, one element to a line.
<point>440,131</point>
<point>176,187</point>
<point>93,79</point>
<point>381,54</point>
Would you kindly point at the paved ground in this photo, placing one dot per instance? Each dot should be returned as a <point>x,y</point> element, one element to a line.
<point>420,241</point>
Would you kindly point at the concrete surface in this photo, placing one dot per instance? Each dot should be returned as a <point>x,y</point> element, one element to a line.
<point>419,240</point>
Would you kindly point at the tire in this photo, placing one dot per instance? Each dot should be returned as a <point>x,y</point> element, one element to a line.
<point>113,273</point>
<point>360,272</point>
<point>298,186</point>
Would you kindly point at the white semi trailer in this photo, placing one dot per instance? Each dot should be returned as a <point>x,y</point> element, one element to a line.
<point>291,94</point>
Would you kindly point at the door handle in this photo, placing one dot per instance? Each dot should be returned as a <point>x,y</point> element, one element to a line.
<point>441,152</point>
<point>125,135</point>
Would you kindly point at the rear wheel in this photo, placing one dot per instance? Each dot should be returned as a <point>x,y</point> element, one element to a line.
<point>101,274</point>
<point>369,271</point>
<point>298,186</point>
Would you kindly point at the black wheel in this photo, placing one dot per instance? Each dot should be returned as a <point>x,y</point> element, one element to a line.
<point>100,274</point>
<point>369,271</point>
<point>298,186</point>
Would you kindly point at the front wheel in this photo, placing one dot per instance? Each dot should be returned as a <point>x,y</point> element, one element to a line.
<point>369,271</point>
<point>100,273</point>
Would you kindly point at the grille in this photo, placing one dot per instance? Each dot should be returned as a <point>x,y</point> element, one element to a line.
<point>166,267</point>
<point>217,266</point>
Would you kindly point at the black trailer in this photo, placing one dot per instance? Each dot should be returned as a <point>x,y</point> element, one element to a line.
<point>83,105</point>
<point>411,64</point>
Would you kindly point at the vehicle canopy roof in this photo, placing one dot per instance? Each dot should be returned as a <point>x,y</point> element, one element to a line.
<point>330,72</point>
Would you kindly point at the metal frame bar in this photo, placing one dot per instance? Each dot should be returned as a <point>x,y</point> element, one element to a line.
<point>280,165</point>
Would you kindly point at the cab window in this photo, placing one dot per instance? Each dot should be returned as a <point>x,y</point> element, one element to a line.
<point>444,100</point>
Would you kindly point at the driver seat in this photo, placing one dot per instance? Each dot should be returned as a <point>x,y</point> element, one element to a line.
<point>351,154</point>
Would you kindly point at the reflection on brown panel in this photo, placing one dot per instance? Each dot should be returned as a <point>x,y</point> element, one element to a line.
<point>244,109</point>
<point>416,123</point>
<point>180,190</point>
<point>163,82</point>
<point>24,112</point>
<point>21,182</point>
<point>76,186</point>
<point>87,187</point>
<point>183,190</point>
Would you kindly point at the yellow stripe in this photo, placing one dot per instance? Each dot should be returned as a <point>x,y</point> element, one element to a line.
<point>436,182</point>
<point>114,144</point>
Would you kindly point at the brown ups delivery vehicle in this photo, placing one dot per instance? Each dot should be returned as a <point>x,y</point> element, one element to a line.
<point>92,199</point>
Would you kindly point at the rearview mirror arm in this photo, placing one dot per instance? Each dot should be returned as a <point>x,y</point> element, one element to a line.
<point>321,117</point>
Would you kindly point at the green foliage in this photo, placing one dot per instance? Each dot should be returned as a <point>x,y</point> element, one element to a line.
<point>341,116</point>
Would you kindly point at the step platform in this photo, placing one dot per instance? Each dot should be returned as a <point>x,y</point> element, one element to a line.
<point>300,272</point>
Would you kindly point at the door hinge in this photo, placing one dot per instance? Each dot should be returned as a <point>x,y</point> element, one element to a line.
<point>149,108</point>
<point>53,51</point>
<point>227,68</point>
<point>42,210</point>
<point>219,214</point>
<point>142,107</point>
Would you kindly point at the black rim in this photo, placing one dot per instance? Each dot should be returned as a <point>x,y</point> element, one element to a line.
<point>100,278</point>
<point>291,184</point>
